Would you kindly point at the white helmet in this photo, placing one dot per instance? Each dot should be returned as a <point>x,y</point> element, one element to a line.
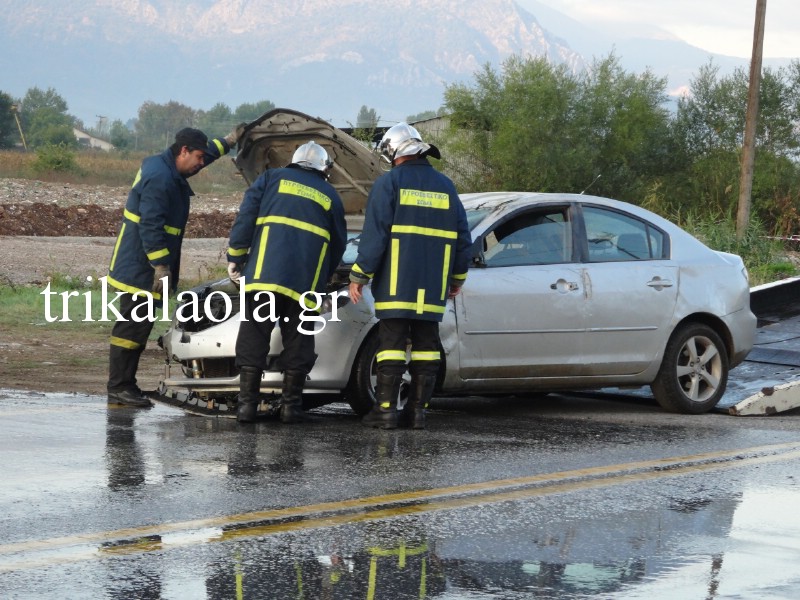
<point>401,140</point>
<point>312,156</point>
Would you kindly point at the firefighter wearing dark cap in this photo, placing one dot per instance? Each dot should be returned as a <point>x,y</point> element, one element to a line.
<point>287,240</point>
<point>414,250</point>
<point>147,253</point>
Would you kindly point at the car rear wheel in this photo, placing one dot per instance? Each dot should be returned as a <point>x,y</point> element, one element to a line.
<point>694,371</point>
<point>360,391</point>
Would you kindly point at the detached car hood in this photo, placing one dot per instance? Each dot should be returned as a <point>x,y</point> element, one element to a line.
<point>270,141</point>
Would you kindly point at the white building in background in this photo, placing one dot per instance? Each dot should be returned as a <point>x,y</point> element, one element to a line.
<point>87,141</point>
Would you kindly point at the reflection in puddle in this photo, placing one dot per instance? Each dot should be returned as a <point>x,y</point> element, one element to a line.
<point>711,548</point>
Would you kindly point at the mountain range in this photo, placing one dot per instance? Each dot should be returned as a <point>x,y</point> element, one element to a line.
<point>323,57</point>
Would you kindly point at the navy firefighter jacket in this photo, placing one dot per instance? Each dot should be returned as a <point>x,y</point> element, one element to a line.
<point>415,243</point>
<point>153,222</point>
<point>290,233</point>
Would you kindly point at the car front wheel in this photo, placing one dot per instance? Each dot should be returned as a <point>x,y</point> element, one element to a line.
<point>694,371</point>
<point>360,392</point>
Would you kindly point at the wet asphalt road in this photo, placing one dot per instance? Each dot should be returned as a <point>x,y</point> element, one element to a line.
<point>562,497</point>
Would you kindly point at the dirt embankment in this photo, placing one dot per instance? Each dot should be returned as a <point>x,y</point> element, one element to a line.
<point>49,229</point>
<point>36,208</point>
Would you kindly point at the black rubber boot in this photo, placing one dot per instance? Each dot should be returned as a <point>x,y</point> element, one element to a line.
<point>249,389</point>
<point>419,396</point>
<point>292,398</point>
<point>122,367</point>
<point>384,414</point>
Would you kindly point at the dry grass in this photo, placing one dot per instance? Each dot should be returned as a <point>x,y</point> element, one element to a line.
<point>116,169</point>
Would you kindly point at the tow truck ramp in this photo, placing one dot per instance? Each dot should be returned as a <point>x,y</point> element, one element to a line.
<point>768,382</point>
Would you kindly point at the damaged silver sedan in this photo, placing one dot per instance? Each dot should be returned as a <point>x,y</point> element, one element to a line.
<point>564,292</point>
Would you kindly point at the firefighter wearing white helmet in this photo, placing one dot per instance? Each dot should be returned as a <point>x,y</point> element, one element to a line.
<point>288,238</point>
<point>414,251</point>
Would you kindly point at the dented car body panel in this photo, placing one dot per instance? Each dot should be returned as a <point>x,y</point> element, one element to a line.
<point>564,292</point>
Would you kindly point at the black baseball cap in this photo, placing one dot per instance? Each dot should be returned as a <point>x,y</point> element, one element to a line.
<point>194,138</point>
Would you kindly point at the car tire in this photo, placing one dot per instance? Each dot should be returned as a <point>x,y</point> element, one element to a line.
<point>694,371</point>
<point>360,392</point>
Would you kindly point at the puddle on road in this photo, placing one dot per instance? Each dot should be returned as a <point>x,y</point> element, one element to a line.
<point>657,540</point>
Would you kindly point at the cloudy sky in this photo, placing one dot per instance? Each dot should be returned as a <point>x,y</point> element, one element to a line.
<point>719,26</point>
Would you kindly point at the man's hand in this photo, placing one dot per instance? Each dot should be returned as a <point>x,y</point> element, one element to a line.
<point>355,291</point>
<point>161,271</point>
<point>453,291</point>
<point>233,137</point>
<point>234,272</point>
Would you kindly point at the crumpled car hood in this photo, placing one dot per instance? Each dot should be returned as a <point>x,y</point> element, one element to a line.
<point>270,141</point>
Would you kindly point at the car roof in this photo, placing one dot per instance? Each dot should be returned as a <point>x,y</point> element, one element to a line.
<point>506,202</point>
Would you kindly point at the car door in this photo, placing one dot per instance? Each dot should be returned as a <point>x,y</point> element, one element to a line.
<point>631,292</point>
<point>521,314</point>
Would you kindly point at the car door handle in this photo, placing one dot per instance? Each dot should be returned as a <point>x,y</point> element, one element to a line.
<point>564,286</point>
<point>658,283</point>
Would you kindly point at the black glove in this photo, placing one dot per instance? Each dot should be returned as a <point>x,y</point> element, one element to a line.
<point>160,271</point>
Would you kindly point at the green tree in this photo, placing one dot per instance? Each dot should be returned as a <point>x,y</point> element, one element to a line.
<point>217,121</point>
<point>245,113</point>
<point>538,126</point>
<point>158,123</point>
<point>708,128</point>
<point>45,119</point>
<point>121,136</point>
<point>367,118</point>
<point>48,127</point>
<point>8,125</point>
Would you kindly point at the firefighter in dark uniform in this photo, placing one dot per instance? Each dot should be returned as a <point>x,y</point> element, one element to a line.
<point>148,249</point>
<point>414,249</point>
<point>288,239</point>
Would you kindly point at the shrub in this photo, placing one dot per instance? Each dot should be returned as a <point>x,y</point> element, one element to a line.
<point>52,157</point>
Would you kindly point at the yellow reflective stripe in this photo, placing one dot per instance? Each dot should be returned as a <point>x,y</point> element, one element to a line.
<point>158,254</point>
<point>262,246</point>
<point>372,578</point>
<point>279,289</point>
<point>123,343</point>
<point>445,269</point>
<point>391,355</point>
<point>130,216</point>
<point>395,256</point>
<point>295,223</point>
<point>433,308</point>
<point>136,218</point>
<point>303,191</point>
<point>423,579</point>
<point>420,300</point>
<point>432,355</point>
<point>409,551</point>
<point>116,247</point>
<point>429,231</point>
<point>424,199</point>
<point>137,178</point>
<point>459,276</point>
<point>238,252</point>
<point>358,269</point>
<point>129,288</point>
<point>220,147</point>
<point>319,265</point>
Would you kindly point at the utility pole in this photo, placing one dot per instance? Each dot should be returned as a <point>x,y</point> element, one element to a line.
<point>15,110</point>
<point>751,122</point>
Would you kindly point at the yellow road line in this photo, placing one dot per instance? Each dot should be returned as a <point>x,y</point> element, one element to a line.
<point>372,508</point>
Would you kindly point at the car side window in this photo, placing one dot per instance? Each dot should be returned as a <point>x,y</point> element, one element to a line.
<point>614,237</point>
<point>533,238</point>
